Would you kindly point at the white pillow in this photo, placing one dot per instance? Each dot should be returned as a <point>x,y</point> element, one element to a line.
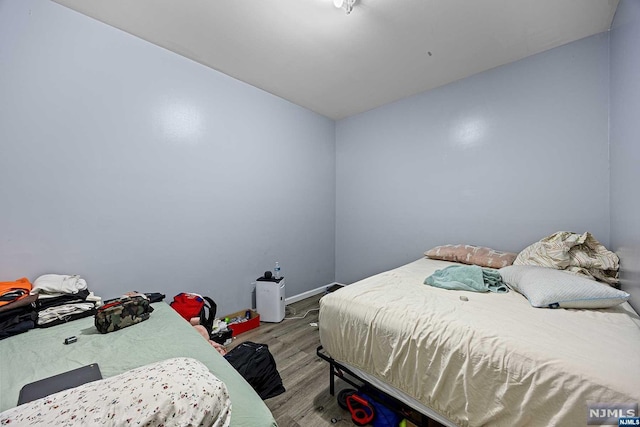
<point>547,287</point>
<point>174,392</point>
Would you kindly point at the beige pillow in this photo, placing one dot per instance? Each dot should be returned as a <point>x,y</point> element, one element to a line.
<point>475,255</point>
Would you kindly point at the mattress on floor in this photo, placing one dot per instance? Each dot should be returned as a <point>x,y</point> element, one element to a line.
<point>491,360</point>
<point>41,353</point>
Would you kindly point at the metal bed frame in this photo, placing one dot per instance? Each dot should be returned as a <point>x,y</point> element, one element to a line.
<point>345,374</point>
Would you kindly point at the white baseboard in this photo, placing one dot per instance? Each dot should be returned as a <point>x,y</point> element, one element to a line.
<point>312,292</point>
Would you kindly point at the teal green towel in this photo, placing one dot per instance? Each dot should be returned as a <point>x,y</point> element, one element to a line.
<point>493,280</point>
<point>467,278</point>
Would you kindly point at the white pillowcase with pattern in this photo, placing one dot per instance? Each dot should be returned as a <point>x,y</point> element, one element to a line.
<point>172,393</point>
<point>551,288</point>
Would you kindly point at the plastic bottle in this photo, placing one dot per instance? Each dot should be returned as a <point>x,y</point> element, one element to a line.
<point>276,271</point>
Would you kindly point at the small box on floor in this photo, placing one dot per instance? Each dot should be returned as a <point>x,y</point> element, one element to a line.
<point>242,321</point>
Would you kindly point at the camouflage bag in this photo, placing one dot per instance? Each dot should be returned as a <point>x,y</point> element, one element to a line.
<point>122,312</point>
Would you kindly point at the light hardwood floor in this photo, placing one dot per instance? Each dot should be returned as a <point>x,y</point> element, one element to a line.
<point>293,343</point>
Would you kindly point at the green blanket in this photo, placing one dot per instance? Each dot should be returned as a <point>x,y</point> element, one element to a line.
<point>40,353</point>
<point>467,278</point>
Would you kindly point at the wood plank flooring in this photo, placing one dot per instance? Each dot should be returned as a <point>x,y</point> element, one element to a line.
<point>293,343</point>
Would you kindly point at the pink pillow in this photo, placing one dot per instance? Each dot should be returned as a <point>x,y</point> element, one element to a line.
<point>475,255</point>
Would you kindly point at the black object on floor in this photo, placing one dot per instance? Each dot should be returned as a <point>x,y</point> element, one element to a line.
<point>221,337</point>
<point>256,365</point>
<point>342,397</point>
<point>334,288</point>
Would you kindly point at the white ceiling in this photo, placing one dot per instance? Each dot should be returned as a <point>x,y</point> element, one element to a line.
<point>317,56</point>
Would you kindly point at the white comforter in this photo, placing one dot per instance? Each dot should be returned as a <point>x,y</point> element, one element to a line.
<point>491,360</point>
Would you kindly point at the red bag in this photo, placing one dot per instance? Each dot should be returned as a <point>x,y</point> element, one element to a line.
<point>187,305</point>
<point>193,305</point>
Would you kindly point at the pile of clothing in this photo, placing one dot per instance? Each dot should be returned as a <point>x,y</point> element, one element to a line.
<point>51,300</point>
<point>17,313</point>
<point>62,298</point>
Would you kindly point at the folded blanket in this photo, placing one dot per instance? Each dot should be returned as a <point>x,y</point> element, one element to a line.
<point>577,253</point>
<point>467,278</point>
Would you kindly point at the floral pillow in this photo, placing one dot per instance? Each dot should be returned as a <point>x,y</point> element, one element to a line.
<point>475,255</point>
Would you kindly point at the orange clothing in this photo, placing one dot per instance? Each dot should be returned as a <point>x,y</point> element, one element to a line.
<point>14,291</point>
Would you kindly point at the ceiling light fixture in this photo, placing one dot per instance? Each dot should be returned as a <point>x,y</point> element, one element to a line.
<point>347,5</point>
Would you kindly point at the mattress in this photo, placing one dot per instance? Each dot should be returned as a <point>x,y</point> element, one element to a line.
<point>485,359</point>
<point>41,353</point>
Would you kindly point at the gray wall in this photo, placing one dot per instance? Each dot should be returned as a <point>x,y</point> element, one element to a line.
<point>500,159</point>
<point>625,143</point>
<point>141,170</point>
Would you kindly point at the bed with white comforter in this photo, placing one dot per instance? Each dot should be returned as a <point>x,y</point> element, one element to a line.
<point>486,358</point>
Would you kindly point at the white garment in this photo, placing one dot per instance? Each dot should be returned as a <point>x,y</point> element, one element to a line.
<point>94,299</point>
<point>58,284</point>
<point>62,312</point>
